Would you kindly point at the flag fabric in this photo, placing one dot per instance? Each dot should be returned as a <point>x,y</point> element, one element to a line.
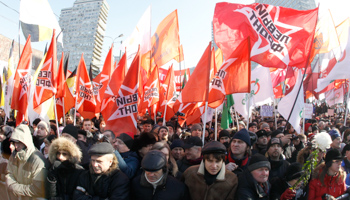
<point>151,91</point>
<point>123,116</point>
<point>113,86</point>
<point>226,118</point>
<point>167,94</point>
<point>180,57</point>
<point>334,96</point>
<point>279,36</point>
<point>286,107</point>
<point>9,81</point>
<point>101,80</point>
<point>261,86</point>
<point>22,82</point>
<point>233,76</point>
<point>277,76</point>
<point>85,101</point>
<point>61,78</point>
<point>38,20</point>
<point>46,84</point>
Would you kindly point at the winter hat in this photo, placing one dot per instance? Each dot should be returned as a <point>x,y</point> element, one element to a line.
<point>346,148</point>
<point>214,147</point>
<point>261,133</point>
<point>196,127</point>
<point>333,154</point>
<point>258,161</point>
<point>170,124</point>
<point>101,149</point>
<point>143,140</point>
<point>44,125</point>
<point>307,127</point>
<point>128,141</point>
<point>192,141</point>
<point>50,138</point>
<point>314,128</point>
<point>252,124</point>
<point>241,123</point>
<point>82,132</point>
<point>334,134</point>
<point>36,121</point>
<point>276,132</point>
<point>274,141</point>
<point>242,135</point>
<point>71,130</point>
<point>177,143</point>
<point>224,133</point>
<point>294,171</point>
<point>153,161</point>
<point>163,127</point>
<point>264,125</point>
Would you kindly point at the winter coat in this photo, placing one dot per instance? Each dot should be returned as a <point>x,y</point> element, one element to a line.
<point>63,176</point>
<point>85,160</point>
<point>128,163</point>
<point>184,164</point>
<point>113,184</point>
<point>249,189</point>
<point>280,186</point>
<point>27,168</point>
<point>334,185</point>
<point>169,188</point>
<point>278,168</point>
<point>242,164</point>
<point>224,187</point>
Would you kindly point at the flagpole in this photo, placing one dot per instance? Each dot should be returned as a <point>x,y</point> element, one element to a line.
<point>216,124</point>
<point>248,121</point>
<point>58,135</point>
<point>19,39</point>
<point>346,105</point>
<point>155,114</point>
<point>236,120</point>
<point>64,114</point>
<point>205,121</point>
<point>166,105</point>
<point>303,118</point>
<point>75,109</point>
<point>274,109</point>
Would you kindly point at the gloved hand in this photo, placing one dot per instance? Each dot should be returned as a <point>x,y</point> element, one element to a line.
<point>288,194</point>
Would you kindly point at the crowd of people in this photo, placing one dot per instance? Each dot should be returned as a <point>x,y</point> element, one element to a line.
<point>250,160</point>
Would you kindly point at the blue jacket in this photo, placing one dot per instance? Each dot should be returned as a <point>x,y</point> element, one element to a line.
<point>128,163</point>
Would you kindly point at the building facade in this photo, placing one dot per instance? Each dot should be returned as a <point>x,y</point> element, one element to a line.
<point>84,27</point>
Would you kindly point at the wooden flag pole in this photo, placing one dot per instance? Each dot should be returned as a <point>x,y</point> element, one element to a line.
<point>166,102</point>
<point>205,120</point>
<point>54,104</point>
<point>236,120</point>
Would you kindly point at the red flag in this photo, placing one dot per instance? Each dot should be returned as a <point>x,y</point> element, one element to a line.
<point>279,36</point>
<point>61,79</point>
<point>85,101</point>
<point>123,116</point>
<point>68,101</point>
<point>102,80</point>
<point>22,81</point>
<point>167,95</point>
<point>46,83</point>
<point>151,91</point>
<point>112,88</point>
<point>233,75</point>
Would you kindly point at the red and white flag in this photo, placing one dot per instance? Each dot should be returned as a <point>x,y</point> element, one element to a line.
<point>279,36</point>
<point>151,91</point>
<point>167,95</point>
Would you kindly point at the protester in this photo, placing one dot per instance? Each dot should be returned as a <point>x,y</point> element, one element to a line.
<point>27,167</point>
<point>154,182</point>
<point>336,139</point>
<point>253,182</point>
<point>193,147</point>
<point>261,143</point>
<point>224,138</point>
<point>172,166</point>
<point>147,125</point>
<point>253,127</point>
<point>104,180</point>
<point>274,154</point>
<point>177,149</point>
<point>41,133</point>
<point>47,142</point>
<point>163,133</point>
<point>64,173</point>
<point>196,130</point>
<point>210,179</point>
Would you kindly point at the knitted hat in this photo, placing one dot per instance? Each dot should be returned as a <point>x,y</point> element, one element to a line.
<point>224,133</point>
<point>71,130</point>
<point>333,154</point>
<point>274,141</point>
<point>276,132</point>
<point>294,171</point>
<point>192,141</point>
<point>261,133</point>
<point>177,143</point>
<point>128,141</point>
<point>264,125</point>
<point>196,127</point>
<point>334,134</point>
<point>101,149</point>
<point>242,135</point>
<point>153,161</point>
<point>214,147</point>
<point>241,123</point>
<point>44,125</point>
<point>258,161</point>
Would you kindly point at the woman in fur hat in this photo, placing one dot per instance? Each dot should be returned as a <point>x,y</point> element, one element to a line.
<point>64,156</point>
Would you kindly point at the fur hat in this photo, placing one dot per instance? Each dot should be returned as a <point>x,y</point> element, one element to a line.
<point>192,141</point>
<point>65,144</point>
<point>261,133</point>
<point>242,135</point>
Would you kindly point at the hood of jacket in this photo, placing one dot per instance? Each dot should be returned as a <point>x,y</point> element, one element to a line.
<point>22,134</point>
<point>64,144</point>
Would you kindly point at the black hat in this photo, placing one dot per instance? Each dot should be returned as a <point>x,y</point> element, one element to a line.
<point>101,149</point>
<point>333,154</point>
<point>346,148</point>
<point>243,135</point>
<point>71,130</point>
<point>294,171</point>
<point>36,121</point>
<point>143,140</point>
<point>82,132</point>
<point>192,141</point>
<point>177,143</point>
<point>170,124</point>
<point>274,141</point>
<point>50,138</point>
<point>276,132</point>
<point>224,133</point>
<point>154,160</point>
<point>128,141</point>
<point>261,133</point>
<point>214,147</point>
<point>314,128</point>
<point>252,124</point>
<point>258,161</point>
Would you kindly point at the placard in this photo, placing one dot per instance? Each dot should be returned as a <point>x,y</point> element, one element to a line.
<point>330,112</point>
<point>266,111</point>
<point>308,110</point>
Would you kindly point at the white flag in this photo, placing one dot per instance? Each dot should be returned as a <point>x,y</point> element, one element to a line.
<point>261,86</point>
<point>242,101</point>
<point>285,106</point>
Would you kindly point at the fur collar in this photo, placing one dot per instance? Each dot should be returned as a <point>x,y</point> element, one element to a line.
<point>221,174</point>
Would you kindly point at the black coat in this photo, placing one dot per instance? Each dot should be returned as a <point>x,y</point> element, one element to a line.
<point>278,168</point>
<point>111,185</point>
<point>248,188</point>
<point>62,180</point>
<point>279,186</point>
<point>170,189</point>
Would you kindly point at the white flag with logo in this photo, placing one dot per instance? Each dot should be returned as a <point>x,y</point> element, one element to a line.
<point>242,101</point>
<point>261,86</point>
<point>285,106</point>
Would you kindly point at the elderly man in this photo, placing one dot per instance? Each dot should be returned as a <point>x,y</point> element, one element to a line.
<point>177,149</point>
<point>193,147</point>
<point>104,180</point>
<point>27,167</point>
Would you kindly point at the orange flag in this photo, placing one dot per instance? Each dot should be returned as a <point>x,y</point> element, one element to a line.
<point>123,116</point>
<point>112,88</point>
<point>46,83</point>
<point>167,95</point>
<point>151,91</point>
<point>233,76</point>
<point>22,83</point>
<point>85,101</point>
<point>180,57</point>
<point>100,82</point>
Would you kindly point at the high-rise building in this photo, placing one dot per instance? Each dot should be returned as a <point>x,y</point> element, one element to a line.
<point>295,4</point>
<point>84,27</point>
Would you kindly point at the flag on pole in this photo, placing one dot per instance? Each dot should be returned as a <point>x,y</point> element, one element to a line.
<point>38,20</point>
<point>226,118</point>
<point>167,95</point>
<point>151,91</point>
<point>279,36</point>
<point>7,89</point>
